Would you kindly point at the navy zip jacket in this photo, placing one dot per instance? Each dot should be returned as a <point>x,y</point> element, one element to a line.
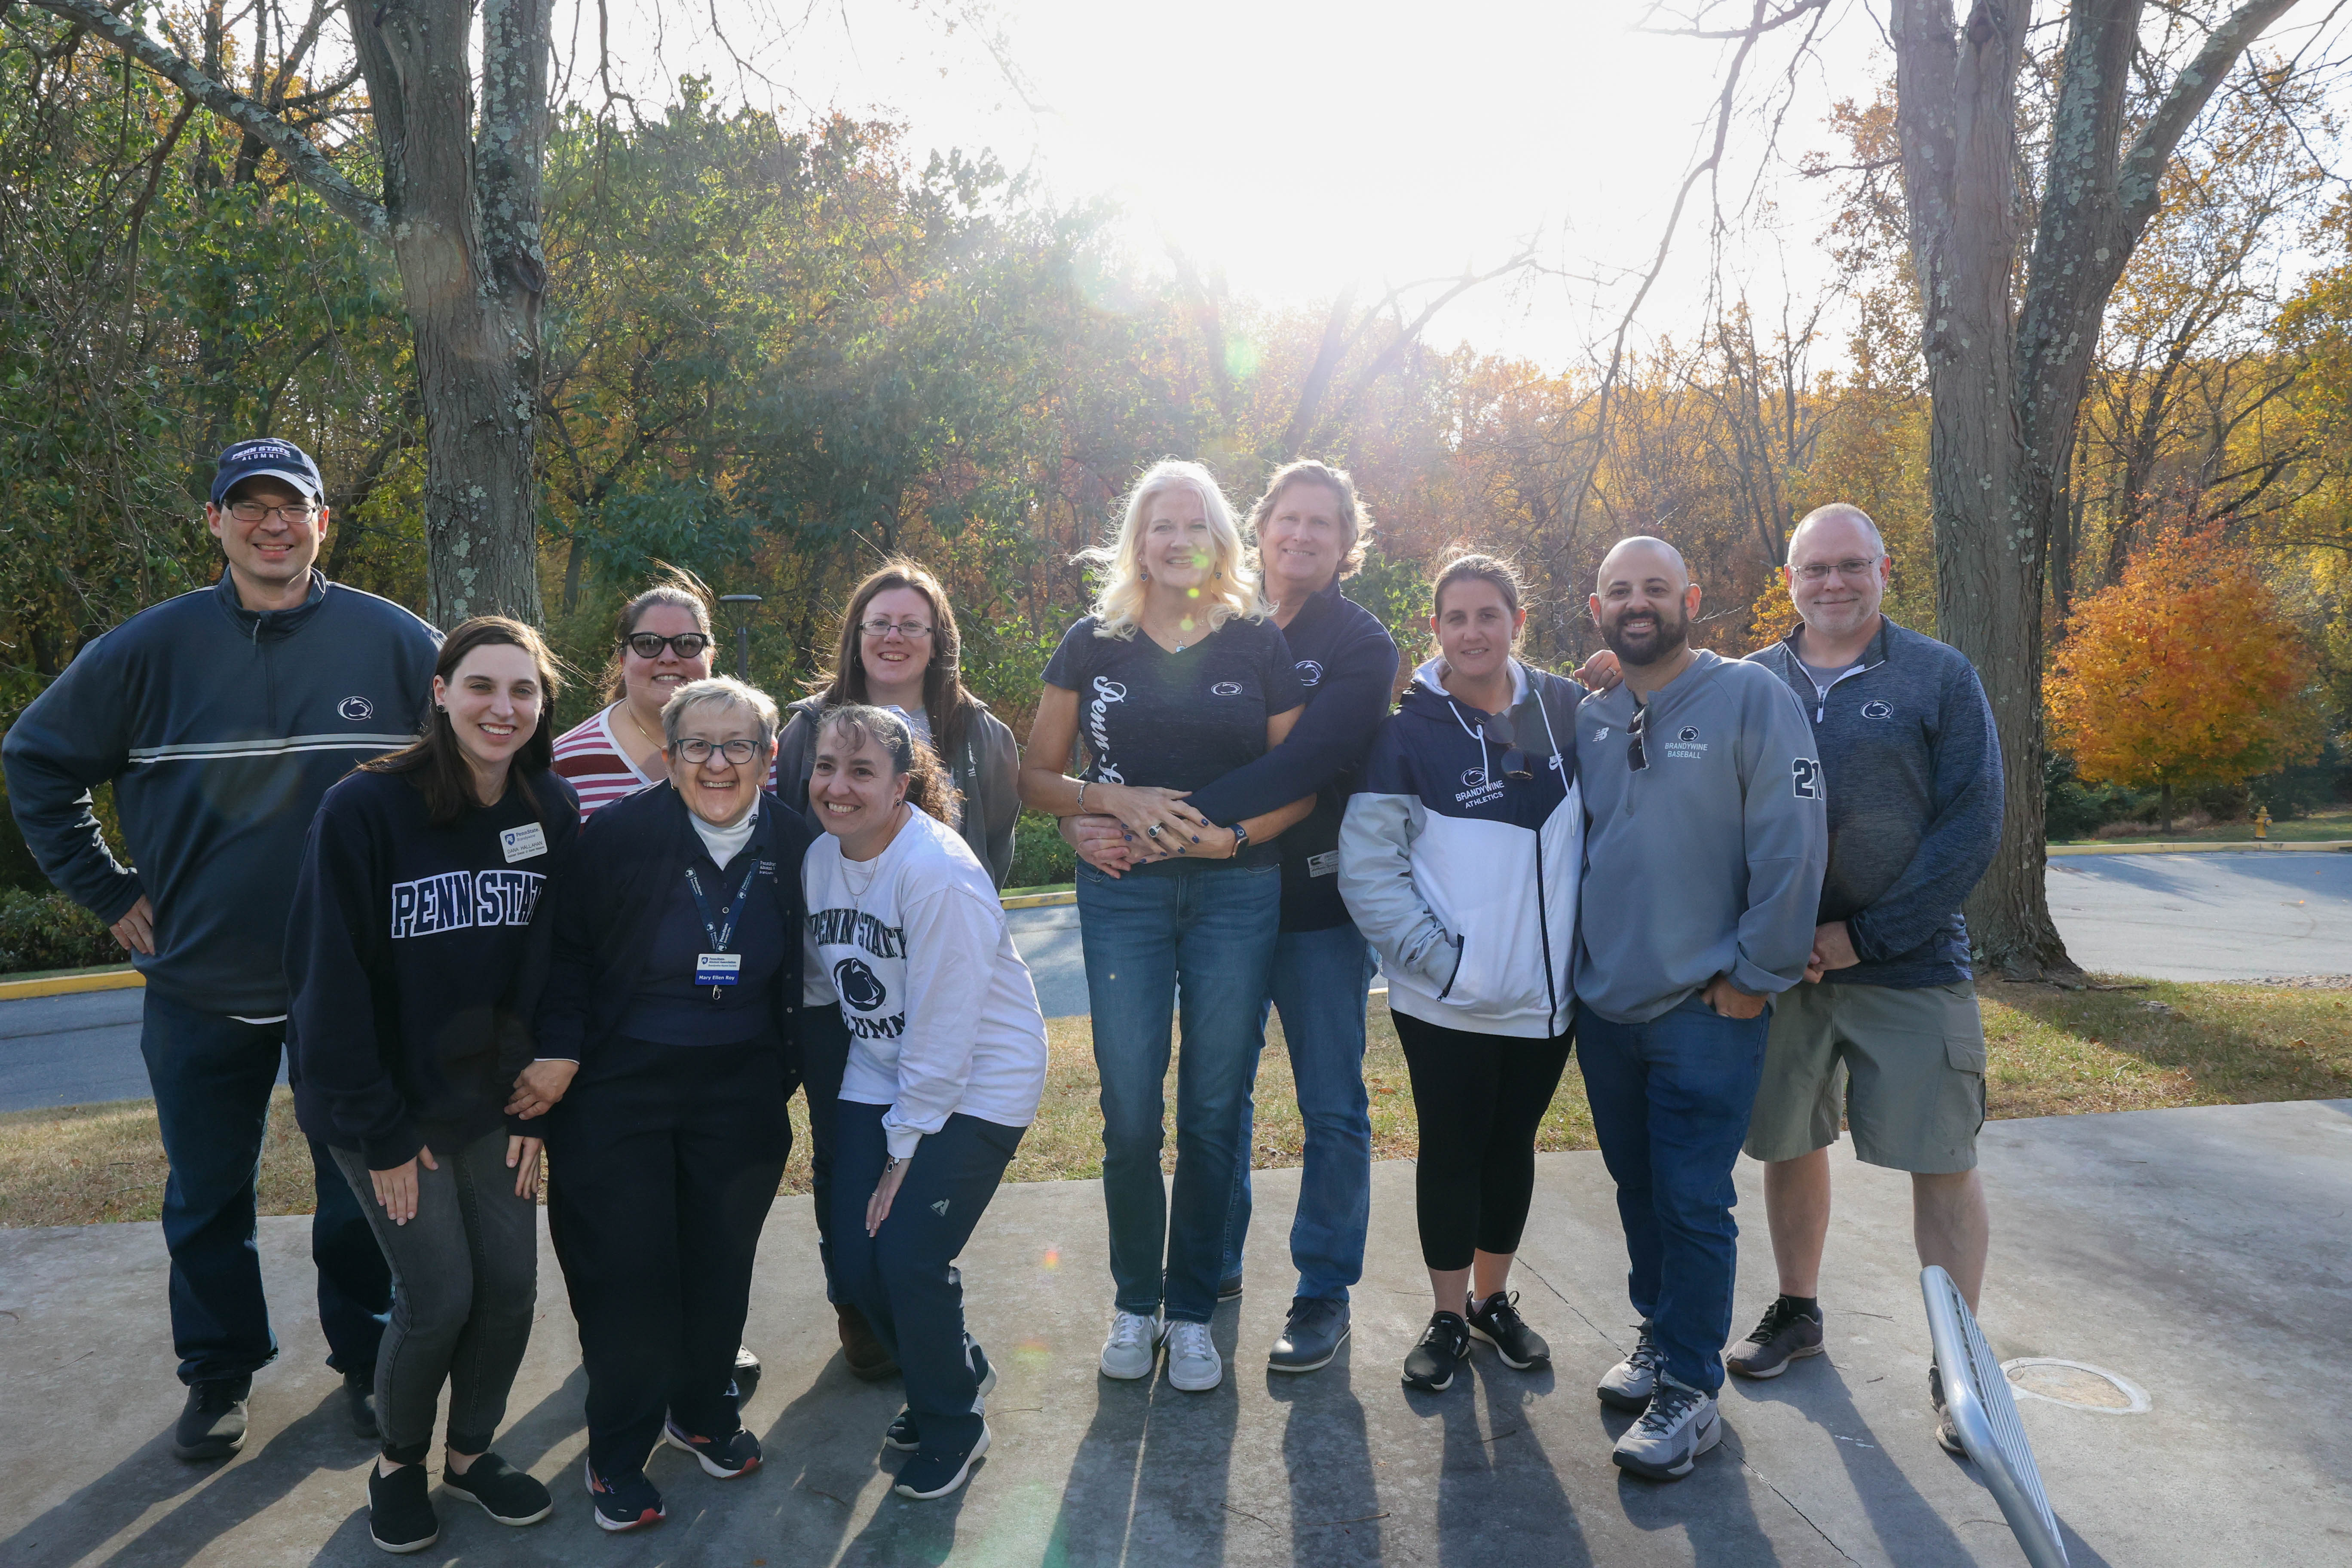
<point>608,899</point>
<point>222,729</point>
<point>1913,769</point>
<point>409,953</point>
<point>1347,663</point>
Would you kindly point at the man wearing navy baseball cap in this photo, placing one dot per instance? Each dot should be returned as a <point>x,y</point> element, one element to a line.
<point>221,717</point>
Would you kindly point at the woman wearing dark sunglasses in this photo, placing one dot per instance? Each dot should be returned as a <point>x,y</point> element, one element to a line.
<point>661,642</point>
<point>1459,858</point>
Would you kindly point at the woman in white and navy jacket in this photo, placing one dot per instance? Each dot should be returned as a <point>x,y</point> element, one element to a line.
<point>1458,858</point>
<point>947,1061</point>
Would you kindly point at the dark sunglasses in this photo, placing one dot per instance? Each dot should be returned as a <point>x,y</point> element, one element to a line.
<point>1635,756</point>
<point>1515,761</point>
<point>647,645</point>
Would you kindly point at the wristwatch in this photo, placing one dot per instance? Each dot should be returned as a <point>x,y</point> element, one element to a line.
<point>1241,836</point>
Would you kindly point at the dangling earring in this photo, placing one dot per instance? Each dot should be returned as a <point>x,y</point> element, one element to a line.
<point>1145,574</point>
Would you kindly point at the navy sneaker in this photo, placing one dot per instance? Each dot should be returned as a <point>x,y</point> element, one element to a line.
<point>724,1458</point>
<point>625,1503</point>
<point>507,1495</point>
<point>903,1435</point>
<point>400,1515</point>
<point>212,1425</point>
<point>929,1474</point>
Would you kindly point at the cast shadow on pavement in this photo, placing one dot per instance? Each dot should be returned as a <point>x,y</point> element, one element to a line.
<point>1498,1498</point>
<point>200,1501</point>
<point>1335,1501</point>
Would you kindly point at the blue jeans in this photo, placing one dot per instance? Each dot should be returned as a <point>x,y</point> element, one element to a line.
<point>1319,984</point>
<point>1212,929</point>
<point>212,1078</point>
<point>1670,1105</point>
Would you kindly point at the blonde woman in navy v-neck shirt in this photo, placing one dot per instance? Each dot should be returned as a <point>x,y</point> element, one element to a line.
<point>1178,677</point>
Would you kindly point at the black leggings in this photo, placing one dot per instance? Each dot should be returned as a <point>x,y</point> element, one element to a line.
<point>1479,1100</point>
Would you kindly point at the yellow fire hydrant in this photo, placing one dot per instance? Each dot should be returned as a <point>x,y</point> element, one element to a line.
<point>2261,822</point>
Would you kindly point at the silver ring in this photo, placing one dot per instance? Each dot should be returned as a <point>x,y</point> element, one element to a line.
<point>1152,831</point>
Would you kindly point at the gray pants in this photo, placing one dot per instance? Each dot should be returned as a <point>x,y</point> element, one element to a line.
<point>465,1287</point>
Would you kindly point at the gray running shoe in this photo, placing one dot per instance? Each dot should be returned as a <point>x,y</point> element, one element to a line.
<point>1787,1332</point>
<point>1310,1339</point>
<point>1629,1384</point>
<point>212,1427</point>
<point>1680,1425</point>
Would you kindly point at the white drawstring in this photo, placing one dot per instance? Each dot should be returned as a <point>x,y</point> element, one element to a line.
<point>1485,774</point>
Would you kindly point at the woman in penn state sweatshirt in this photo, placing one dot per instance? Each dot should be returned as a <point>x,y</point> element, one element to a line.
<point>407,958</point>
<point>947,1060</point>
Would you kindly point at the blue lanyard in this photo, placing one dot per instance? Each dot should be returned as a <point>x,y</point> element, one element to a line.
<point>720,933</point>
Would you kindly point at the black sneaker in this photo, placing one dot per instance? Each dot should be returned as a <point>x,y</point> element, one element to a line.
<point>931,1475</point>
<point>359,1394</point>
<point>400,1515</point>
<point>1946,1433</point>
<point>1229,1289</point>
<point>506,1494</point>
<point>1787,1332</point>
<point>904,1436</point>
<point>1496,1321</point>
<point>212,1424</point>
<point>1317,1327</point>
<point>724,1458</point>
<point>747,1373</point>
<point>1429,1366</point>
<point>624,1502</point>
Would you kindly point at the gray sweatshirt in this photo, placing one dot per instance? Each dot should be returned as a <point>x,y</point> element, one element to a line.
<point>1709,861</point>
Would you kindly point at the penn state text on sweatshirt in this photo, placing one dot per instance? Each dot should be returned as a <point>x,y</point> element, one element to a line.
<point>408,950</point>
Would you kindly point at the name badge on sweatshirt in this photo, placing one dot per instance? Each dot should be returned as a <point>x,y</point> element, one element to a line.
<point>522,843</point>
<point>718,968</point>
<point>1323,865</point>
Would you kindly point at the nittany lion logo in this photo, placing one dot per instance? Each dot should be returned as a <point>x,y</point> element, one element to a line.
<point>857,984</point>
<point>1689,733</point>
<point>1309,672</point>
<point>1226,689</point>
<point>1474,777</point>
<point>356,708</point>
<point>1877,711</point>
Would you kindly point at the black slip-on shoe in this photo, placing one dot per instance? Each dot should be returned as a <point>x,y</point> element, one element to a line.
<point>507,1495</point>
<point>212,1424</point>
<point>1429,1365</point>
<point>1313,1335</point>
<point>1496,1321</point>
<point>400,1515</point>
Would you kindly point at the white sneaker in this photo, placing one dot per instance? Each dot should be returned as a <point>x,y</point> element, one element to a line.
<point>1680,1425</point>
<point>1194,1364</point>
<point>1133,1348</point>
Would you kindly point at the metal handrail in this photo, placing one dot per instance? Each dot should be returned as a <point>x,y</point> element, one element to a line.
<point>1977,1398</point>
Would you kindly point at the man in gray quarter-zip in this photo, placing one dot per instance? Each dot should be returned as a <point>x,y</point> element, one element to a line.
<point>1703,859</point>
<point>221,717</point>
<point>1887,1035</point>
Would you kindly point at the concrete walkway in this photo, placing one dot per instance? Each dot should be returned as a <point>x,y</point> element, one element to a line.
<point>2202,1254</point>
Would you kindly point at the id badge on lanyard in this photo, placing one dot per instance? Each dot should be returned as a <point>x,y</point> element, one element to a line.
<point>718,967</point>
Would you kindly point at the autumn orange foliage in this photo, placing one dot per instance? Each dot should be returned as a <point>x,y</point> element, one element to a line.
<point>2185,672</point>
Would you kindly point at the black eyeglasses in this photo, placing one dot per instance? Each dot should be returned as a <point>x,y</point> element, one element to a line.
<point>1635,757</point>
<point>698,752</point>
<point>1515,761</point>
<point>647,645</point>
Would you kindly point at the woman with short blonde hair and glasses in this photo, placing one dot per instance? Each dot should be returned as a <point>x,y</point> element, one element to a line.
<point>1178,676</point>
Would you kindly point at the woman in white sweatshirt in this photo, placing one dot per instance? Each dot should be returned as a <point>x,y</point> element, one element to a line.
<point>947,1061</point>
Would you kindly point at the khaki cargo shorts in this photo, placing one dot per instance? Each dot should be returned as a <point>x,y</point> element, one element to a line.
<point>1905,1068</point>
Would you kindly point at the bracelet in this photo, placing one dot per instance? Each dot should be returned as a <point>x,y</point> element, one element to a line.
<point>1082,799</point>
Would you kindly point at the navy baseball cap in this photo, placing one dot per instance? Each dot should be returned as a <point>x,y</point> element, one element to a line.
<point>268,456</point>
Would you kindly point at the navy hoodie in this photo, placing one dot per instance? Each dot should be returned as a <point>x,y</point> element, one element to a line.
<point>410,956</point>
<point>1346,663</point>
<point>221,729</point>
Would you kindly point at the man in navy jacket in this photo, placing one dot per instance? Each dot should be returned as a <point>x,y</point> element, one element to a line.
<point>221,717</point>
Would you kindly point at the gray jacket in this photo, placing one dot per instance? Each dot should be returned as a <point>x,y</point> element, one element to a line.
<point>1908,746</point>
<point>1709,861</point>
<point>986,768</point>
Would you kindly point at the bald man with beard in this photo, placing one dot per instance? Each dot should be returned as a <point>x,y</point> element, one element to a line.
<point>1704,844</point>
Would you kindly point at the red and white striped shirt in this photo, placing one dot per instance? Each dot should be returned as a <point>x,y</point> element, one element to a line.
<point>593,762</point>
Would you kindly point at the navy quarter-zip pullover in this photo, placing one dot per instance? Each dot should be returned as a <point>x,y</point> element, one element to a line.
<point>221,729</point>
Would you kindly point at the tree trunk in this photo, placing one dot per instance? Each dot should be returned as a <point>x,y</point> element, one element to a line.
<point>2164,809</point>
<point>2007,389</point>
<point>472,290</point>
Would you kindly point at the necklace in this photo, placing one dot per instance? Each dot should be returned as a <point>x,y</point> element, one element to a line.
<point>640,728</point>
<point>873,869</point>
